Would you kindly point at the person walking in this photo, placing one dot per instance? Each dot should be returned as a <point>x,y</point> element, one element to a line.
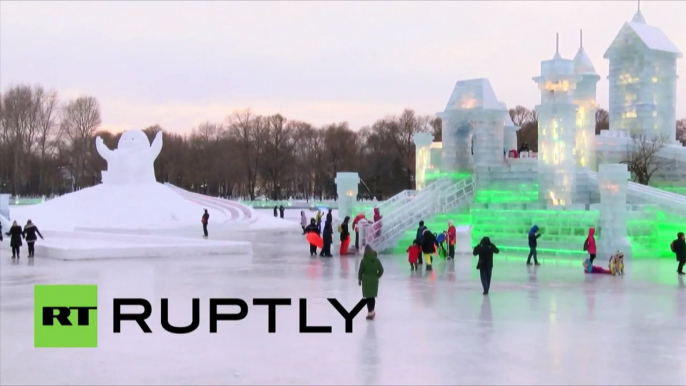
<point>205,220</point>
<point>485,251</point>
<point>328,239</point>
<point>276,209</point>
<point>281,210</point>
<point>533,244</point>
<point>679,248</point>
<point>16,235</point>
<point>312,228</point>
<point>452,239</point>
<point>418,239</point>
<point>345,236</point>
<point>428,247</point>
<point>329,216</point>
<point>368,276</point>
<point>589,244</point>
<point>30,231</point>
<point>303,220</point>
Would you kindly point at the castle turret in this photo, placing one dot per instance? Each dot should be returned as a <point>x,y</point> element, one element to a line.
<point>643,80</point>
<point>585,100</point>
<point>557,130</point>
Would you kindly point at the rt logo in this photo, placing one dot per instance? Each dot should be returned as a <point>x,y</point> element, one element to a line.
<point>65,316</point>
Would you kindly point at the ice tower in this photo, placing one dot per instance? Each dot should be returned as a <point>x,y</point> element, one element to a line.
<point>643,80</point>
<point>556,131</point>
<point>585,100</point>
<point>473,127</point>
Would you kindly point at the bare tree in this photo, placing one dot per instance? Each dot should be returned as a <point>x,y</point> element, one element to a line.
<point>602,120</point>
<point>681,131</point>
<point>247,130</point>
<point>437,129</point>
<point>520,115</point>
<point>642,156</point>
<point>80,120</point>
<point>47,133</point>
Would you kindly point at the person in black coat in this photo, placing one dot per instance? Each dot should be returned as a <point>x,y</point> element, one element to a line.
<point>345,236</point>
<point>205,220</point>
<point>329,216</point>
<point>281,210</point>
<point>485,251</point>
<point>16,235</point>
<point>1,232</point>
<point>533,244</point>
<point>679,248</point>
<point>30,231</point>
<point>328,239</point>
<point>276,209</point>
<point>428,247</point>
<point>418,239</point>
<point>312,228</point>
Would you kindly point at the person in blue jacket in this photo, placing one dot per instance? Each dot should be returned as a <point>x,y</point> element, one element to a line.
<point>533,243</point>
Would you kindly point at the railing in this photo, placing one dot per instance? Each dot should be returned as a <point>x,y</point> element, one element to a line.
<point>440,196</point>
<point>394,202</point>
<point>673,202</point>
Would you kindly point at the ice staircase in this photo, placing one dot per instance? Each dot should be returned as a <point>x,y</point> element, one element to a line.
<point>232,211</point>
<point>390,205</point>
<point>671,202</point>
<point>442,195</point>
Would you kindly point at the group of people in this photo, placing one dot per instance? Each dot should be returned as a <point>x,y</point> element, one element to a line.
<point>344,230</point>
<point>30,233</point>
<point>427,243</point>
<point>279,211</point>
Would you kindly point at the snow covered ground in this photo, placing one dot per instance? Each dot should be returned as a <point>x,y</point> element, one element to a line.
<point>546,325</point>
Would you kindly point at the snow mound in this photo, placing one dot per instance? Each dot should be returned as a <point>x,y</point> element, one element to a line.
<point>115,207</point>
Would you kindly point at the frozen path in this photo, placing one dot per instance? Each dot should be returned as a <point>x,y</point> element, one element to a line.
<point>545,325</point>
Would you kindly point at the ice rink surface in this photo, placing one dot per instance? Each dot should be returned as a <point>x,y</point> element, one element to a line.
<point>540,325</point>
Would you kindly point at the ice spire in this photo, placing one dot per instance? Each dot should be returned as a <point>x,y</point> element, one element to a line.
<point>582,63</point>
<point>557,47</point>
<point>638,17</point>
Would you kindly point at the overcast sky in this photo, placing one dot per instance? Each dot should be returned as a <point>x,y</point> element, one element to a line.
<point>181,63</point>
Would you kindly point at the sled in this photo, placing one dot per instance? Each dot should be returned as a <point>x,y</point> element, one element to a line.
<point>315,239</point>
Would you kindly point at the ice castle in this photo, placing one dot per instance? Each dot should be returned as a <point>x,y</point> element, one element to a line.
<point>576,180</point>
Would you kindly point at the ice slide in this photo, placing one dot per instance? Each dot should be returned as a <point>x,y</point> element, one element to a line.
<point>674,203</point>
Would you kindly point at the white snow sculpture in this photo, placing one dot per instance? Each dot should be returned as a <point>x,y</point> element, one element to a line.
<point>132,161</point>
<point>643,80</point>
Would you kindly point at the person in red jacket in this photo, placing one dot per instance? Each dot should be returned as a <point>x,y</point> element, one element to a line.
<point>452,239</point>
<point>413,255</point>
<point>589,244</point>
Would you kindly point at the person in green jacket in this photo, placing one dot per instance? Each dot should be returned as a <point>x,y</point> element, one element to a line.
<point>368,277</point>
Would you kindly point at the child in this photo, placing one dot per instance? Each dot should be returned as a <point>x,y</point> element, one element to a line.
<point>589,245</point>
<point>617,263</point>
<point>413,255</point>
